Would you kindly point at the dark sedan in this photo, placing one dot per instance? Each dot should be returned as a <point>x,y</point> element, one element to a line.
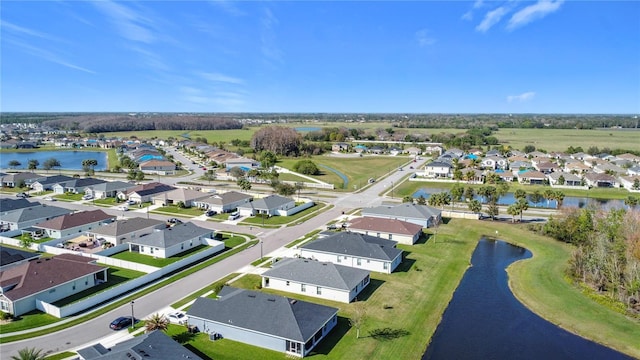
<point>120,323</point>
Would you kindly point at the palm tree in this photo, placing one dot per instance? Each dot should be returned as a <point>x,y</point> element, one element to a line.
<point>475,206</point>
<point>29,354</point>
<point>523,205</point>
<point>156,322</point>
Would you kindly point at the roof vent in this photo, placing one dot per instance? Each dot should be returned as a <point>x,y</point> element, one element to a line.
<point>272,300</point>
<point>251,295</point>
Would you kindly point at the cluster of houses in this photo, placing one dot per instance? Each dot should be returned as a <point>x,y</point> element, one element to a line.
<point>149,159</point>
<point>577,170</point>
<point>393,150</point>
<point>335,267</point>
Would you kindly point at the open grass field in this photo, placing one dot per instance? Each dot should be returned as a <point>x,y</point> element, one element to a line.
<point>357,170</point>
<point>561,139</point>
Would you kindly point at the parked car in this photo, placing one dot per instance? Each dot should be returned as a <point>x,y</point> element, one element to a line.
<point>211,212</point>
<point>178,317</point>
<point>87,197</point>
<point>174,221</point>
<point>234,215</point>
<point>123,208</point>
<point>131,202</point>
<point>22,195</point>
<point>48,198</point>
<point>120,323</point>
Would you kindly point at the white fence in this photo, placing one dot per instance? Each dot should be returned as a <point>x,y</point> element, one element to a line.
<point>460,214</point>
<point>312,185</point>
<point>296,209</point>
<point>84,304</point>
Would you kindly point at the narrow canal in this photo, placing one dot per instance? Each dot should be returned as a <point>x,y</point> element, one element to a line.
<point>484,320</point>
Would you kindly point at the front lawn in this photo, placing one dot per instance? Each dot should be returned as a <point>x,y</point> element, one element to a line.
<point>153,261</point>
<point>279,220</point>
<point>174,210</point>
<point>106,201</point>
<point>69,197</point>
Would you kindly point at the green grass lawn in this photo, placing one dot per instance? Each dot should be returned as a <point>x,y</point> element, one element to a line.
<point>115,277</point>
<point>358,170</point>
<point>157,262</point>
<point>106,202</point>
<point>561,139</point>
<point>69,197</point>
<point>211,287</point>
<point>231,241</point>
<point>408,188</point>
<point>280,220</point>
<point>192,211</point>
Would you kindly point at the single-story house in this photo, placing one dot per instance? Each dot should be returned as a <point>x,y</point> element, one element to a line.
<point>144,193</point>
<point>47,279</point>
<point>545,167</point>
<point>531,177</point>
<point>10,257</point>
<point>631,183</point>
<point>271,205</point>
<point>187,196</point>
<point>564,178</point>
<point>634,170</point>
<point>30,216</point>
<point>152,345</point>
<point>164,243</point>
<point>14,179</point>
<point>438,169</point>
<point>576,166</point>
<point>48,182</point>
<point>224,202</point>
<point>75,186</point>
<point>340,147</point>
<point>124,231</point>
<point>245,164</point>
<point>274,322</point>
<point>323,280</point>
<point>108,189</point>
<point>412,150</point>
<point>600,180</point>
<point>8,205</point>
<point>423,215</point>
<point>403,232</point>
<point>162,167</point>
<point>75,223</point>
<point>355,250</point>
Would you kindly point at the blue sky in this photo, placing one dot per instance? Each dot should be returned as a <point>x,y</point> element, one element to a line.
<point>328,56</point>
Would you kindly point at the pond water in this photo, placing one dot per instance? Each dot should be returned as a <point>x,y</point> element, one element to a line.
<point>485,321</point>
<point>307,128</point>
<point>509,198</point>
<point>69,159</point>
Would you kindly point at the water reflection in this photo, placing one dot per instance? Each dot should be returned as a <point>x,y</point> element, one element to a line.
<point>485,321</point>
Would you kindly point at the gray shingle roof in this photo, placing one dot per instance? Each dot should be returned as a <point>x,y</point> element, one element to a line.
<point>153,345</point>
<point>403,210</point>
<point>121,227</point>
<point>34,213</point>
<point>164,238</point>
<point>8,204</point>
<point>318,273</point>
<point>10,255</point>
<point>113,186</point>
<point>226,198</point>
<point>269,202</point>
<point>266,313</point>
<point>355,244</point>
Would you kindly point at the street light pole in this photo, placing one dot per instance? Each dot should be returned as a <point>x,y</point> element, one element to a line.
<point>261,250</point>
<point>133,319</point>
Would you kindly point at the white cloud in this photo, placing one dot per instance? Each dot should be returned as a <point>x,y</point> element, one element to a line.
<point>217,77</point>
<point>129,23</point>
<point>49,56</point>
<point>522,97</point>
<point>491,18</point>
<point>228,6</point>
<point>268,36</point>
<point>533,12</point>
<point>467,16</point>
<point>16,29</point>
<point>424,37</point>
<point>478,4</point>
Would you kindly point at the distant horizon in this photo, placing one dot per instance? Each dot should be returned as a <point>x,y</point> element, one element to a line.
<point>312,112</point>
<point>334,57</point>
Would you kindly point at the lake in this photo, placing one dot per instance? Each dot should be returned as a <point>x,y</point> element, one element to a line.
<point>484,320</point>
<point>509,198</point>
<point>69,159</point>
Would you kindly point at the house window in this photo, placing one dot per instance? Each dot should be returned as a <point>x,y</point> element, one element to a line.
<point>339,259</point>
<point>303,287</point>
<point>141,248</point>
<point>294,347</point>
<point>181,246</point>
<point>359,261</point>
<point>86,282</point>
<point>151,250</point>
<point>287,283</point>
<point>385,266</point>
<point>4,306</point>
<point>52,291</point>
<point>390,236</point>
<point>73,287</point>
<point>319,291</point>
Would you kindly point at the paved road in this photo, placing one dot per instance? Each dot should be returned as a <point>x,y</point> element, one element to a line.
<point>97,328</point>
